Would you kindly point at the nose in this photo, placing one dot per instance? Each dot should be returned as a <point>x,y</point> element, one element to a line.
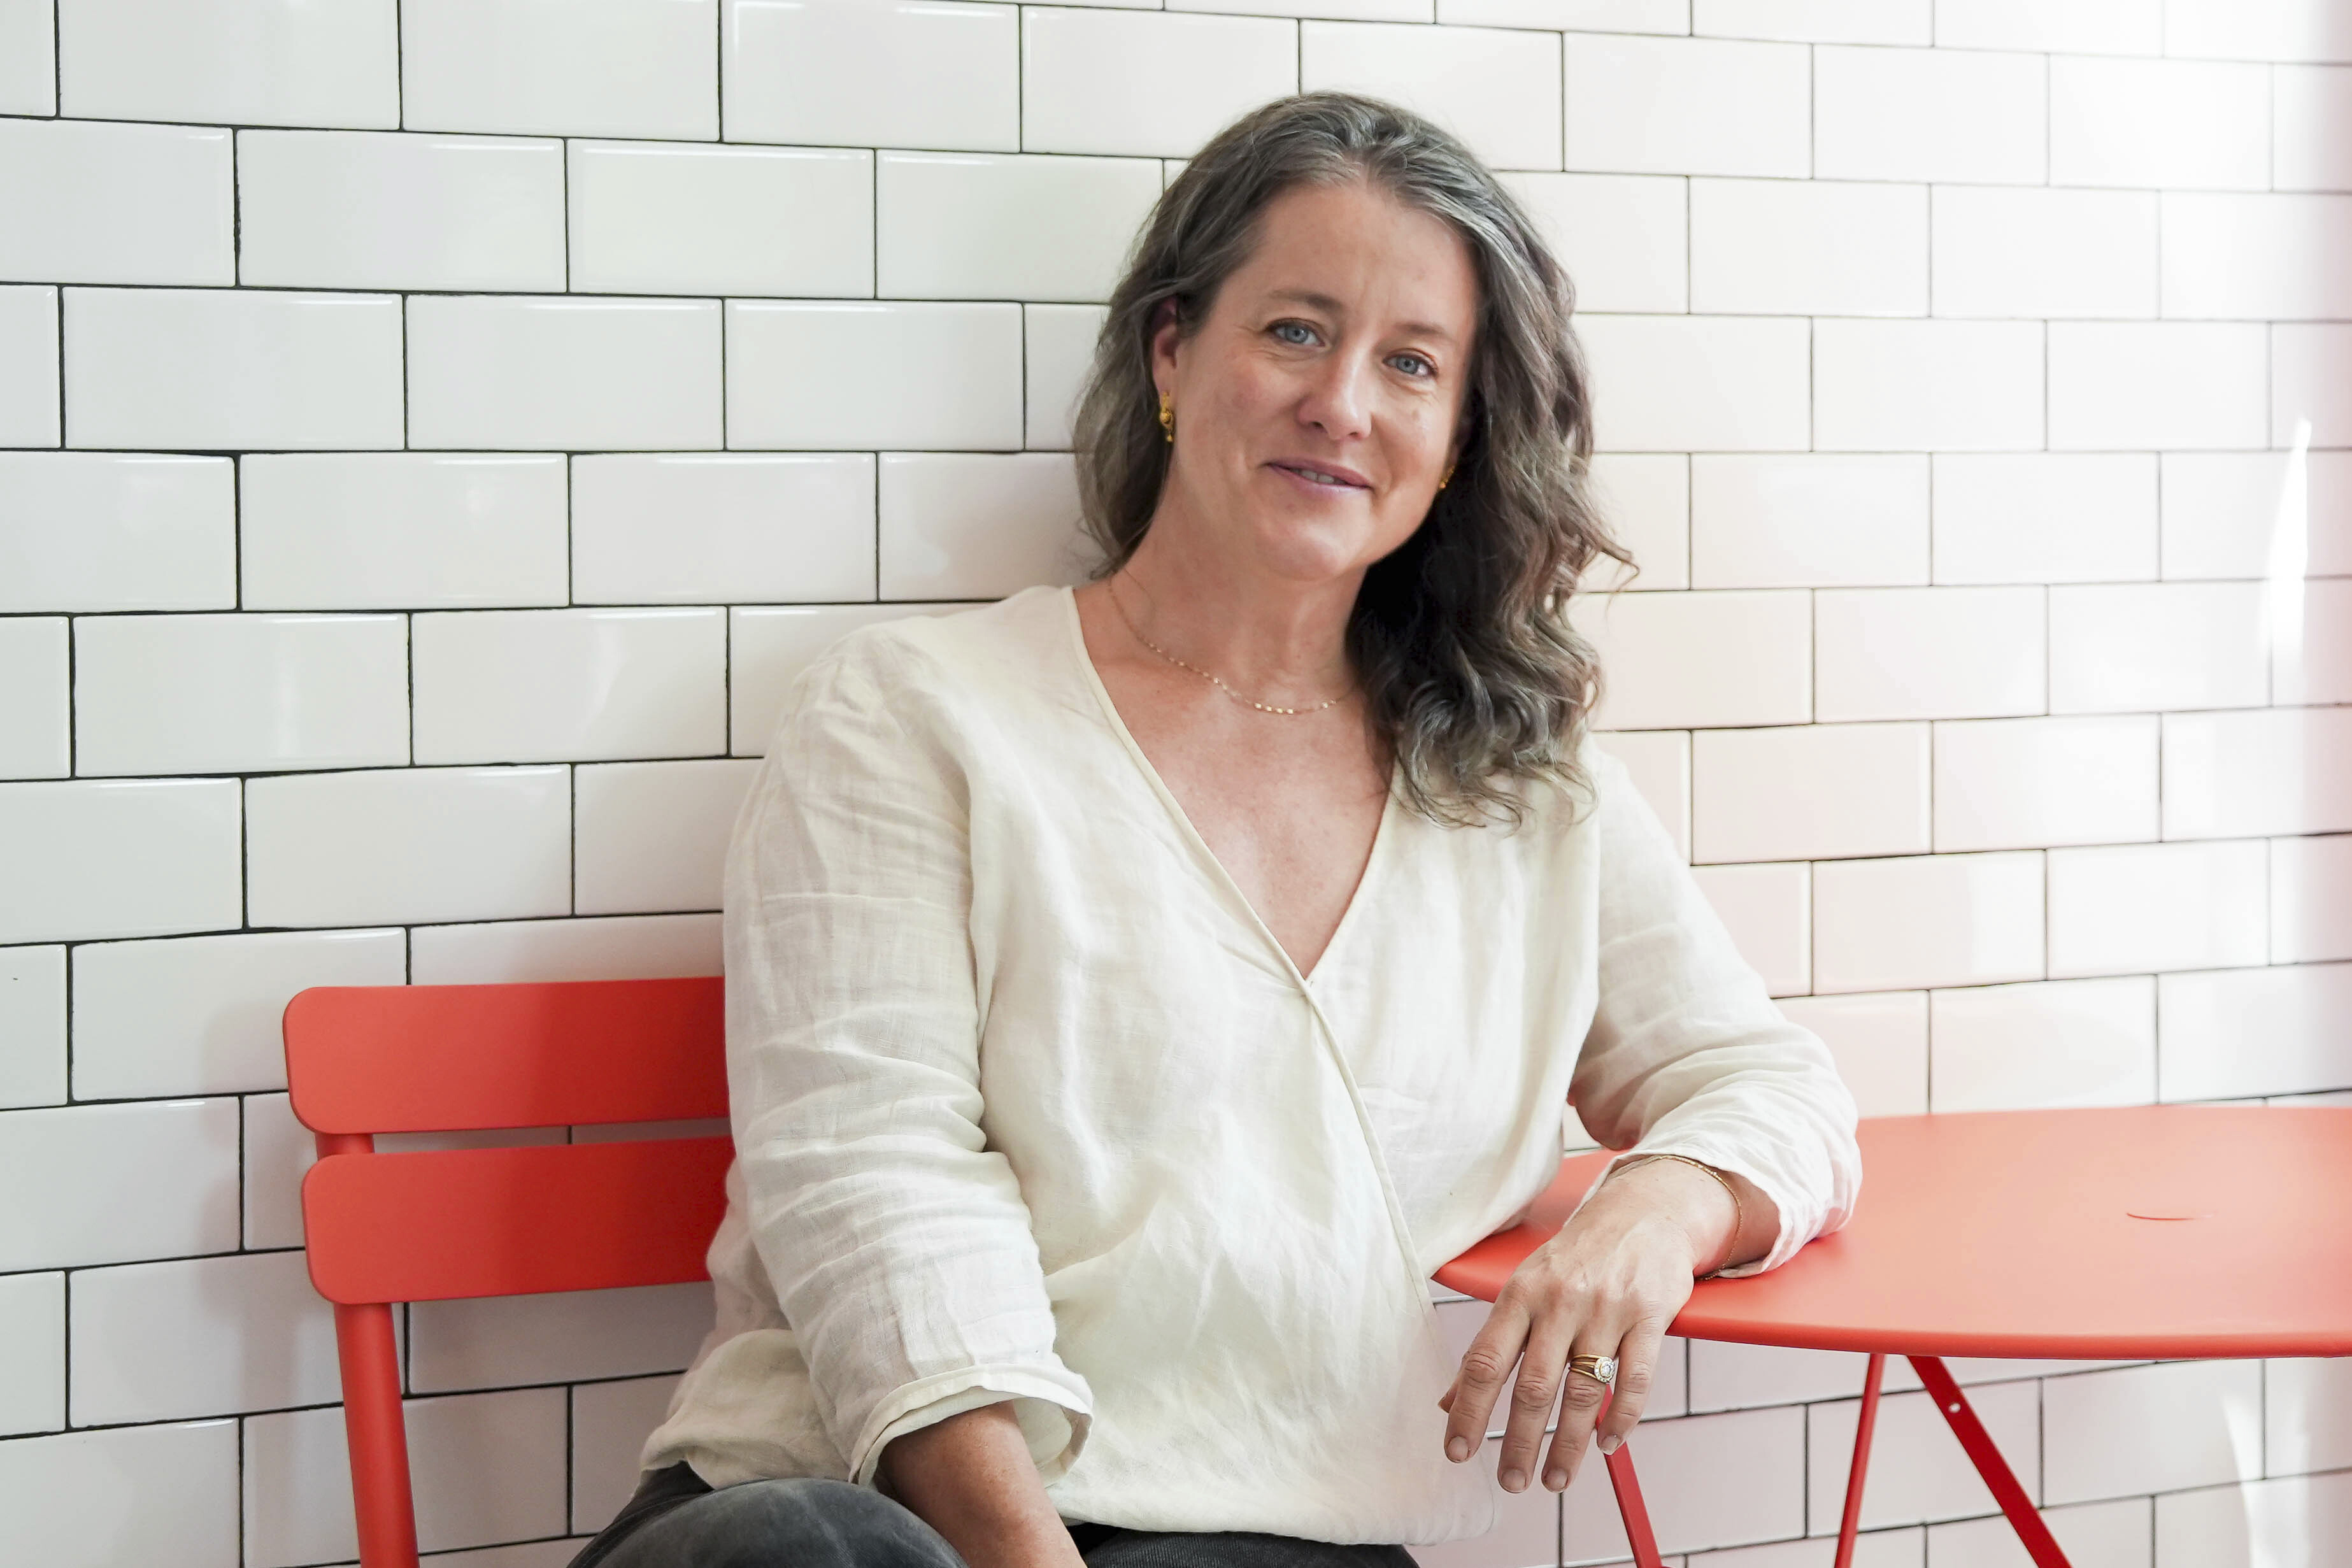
<point>1339,396</point>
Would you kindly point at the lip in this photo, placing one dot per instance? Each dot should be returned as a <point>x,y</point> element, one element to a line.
<point>1335,471</point>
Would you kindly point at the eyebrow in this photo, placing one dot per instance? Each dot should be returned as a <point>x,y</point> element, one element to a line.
<point>1329,306</point>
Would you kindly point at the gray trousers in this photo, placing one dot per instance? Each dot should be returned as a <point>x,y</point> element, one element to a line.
<point>674,1520</point>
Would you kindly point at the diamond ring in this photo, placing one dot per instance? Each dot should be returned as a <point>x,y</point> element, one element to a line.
<point>1601,1369</point>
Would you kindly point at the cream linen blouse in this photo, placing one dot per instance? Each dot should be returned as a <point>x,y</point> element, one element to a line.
<point>1029,1104</point>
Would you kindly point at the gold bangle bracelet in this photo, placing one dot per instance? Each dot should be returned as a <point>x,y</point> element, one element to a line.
<point>1738,1209</point>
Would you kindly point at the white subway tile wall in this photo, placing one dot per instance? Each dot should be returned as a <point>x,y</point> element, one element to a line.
<point>435,435</point>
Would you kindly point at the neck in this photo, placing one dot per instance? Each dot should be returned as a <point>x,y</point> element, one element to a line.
<point>1257,630</point>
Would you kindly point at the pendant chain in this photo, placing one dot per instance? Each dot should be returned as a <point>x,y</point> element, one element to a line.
<point>1110,586</point>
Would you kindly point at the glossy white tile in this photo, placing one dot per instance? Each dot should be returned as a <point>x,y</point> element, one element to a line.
<point>36,707</point>
<point>964,526</point>
<point>567,1336</point>
<point>2233,776</point>
<point>2251,1524</point>
<point>28,56</point>
<point>33,1025</point>
<point>2032,1047</point>
<point>1498,90</point>
<point>1598,15</point>
<point>2232,256</point>
<point>2228,1033</point>
<point>2151,1429</point>
<point>1815,21</point>
<point>2195,123</point>
<point>277,1149</point>
<point>486,1468</point>
<point>2305,1407</point>
<point>1809,792</point>
<point>32,1354</point>
<point>2158,646</point>
<point>2310,899</point>
<point>1968,920</point>
<point>1767,909</point>
<point>2223,512</point>
<point>652,836</point>
<point>2088,26</point>
<point>1891,387</point>
<point>565,685</point>
<point>2045,517</point>
<point>1623,238</point>
<point>1719,1480</point>
<point>1805,247</point>
<point>628,947</point>
<point>873,73</point>
<point>69,1507</point>
<point>1682,384</point>
<point>409,846</point>
<point>1680,661</point>
<point>97,203</point>
<point>1917,1472</point>
<point>119,1182</point>
<point>2026,251</point>
<point>1888,653</point>
<point>118,857</point>
<point>350,209</point>
<point>238,693</point>
<point>235,62</point>
<point>975,225</point>
<point>207,1336</point>
<point>889,375</point>
<point>666,218</point>
<point>2018,783</point>
<point>568,373</point>
<point>1057,349</point>
<point>91,531</point>
<point>380,531</point>
<point>1936,114</point>
<point>1879,1044</point>
<point>1646,498</point>
<point>560,68</point>
<point>214,370</point>
<point>1728,1376</point>
<point>609,1423</point>
<point>1659,763</point>
<point>1145,84</point>
<point>30,397</point>
<point>202,1014</point>
<point>2093,1535</point>
<point>2306,387</point>
<point>665,530</point>
<point>2270,30</point>
<point>1686,106</point>
<point>2167,386</point>
<point>769,647</point>
<point>2311,128</point>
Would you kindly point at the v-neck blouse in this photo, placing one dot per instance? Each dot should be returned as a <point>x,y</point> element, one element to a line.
<point>1029,1105</point>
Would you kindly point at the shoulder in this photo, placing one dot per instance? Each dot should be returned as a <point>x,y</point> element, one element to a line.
<point>930,666</point>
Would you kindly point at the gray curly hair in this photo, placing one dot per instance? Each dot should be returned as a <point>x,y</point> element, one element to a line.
<point>1473,676</point>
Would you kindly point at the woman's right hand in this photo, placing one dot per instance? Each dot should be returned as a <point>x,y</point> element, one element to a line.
<point>971,1479</point>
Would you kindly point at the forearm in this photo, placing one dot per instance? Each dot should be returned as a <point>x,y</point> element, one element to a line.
<point>971,1479</point>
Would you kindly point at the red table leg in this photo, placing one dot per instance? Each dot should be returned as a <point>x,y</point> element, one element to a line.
<point>1631,1508</point>
<point>1962,1418</point>
<point>1862,1430</point>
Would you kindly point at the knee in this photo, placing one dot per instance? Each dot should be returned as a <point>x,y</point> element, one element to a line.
<point>810,1522</point>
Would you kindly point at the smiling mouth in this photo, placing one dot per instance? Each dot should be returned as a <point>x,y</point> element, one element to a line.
<point>1316,477</point>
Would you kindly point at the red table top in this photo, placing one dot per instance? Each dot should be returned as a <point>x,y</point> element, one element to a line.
<point>2125,1234</point>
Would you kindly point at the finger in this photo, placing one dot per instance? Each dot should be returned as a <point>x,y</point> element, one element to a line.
<point>1579,1405</point>
<point>1492,1353</point>
<point>1637,1367</point>
<point>1533,1392</point>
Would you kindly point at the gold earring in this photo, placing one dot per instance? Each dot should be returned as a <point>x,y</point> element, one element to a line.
<point>1167,419</point>
<point>1447,475</point>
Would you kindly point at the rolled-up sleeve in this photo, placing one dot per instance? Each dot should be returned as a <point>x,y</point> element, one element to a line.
<point>898,1242</point>
<point>1688,1054</point>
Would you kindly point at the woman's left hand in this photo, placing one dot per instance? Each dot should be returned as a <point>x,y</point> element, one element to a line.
<point>1607,1285</point>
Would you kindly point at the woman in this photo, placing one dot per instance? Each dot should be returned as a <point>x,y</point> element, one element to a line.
<point>1134,992</point>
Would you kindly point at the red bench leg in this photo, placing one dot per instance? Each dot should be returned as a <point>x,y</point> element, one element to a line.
<point>2039,1543</point>
<point>1630,1506</point>
<point>1863,1429</point>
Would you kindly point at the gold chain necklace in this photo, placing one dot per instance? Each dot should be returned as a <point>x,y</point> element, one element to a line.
<point>1110,588</point>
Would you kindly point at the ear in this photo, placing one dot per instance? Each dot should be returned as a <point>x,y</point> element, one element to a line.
<point>1165,335</point>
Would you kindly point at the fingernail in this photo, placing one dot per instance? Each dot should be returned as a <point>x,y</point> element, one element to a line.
<point>1515,1480</point>
<point>1555,1479</point>
<point>1609,1443</point>
<point>1457,1449</point>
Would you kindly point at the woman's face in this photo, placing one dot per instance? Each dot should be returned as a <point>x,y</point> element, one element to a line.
<point>1343,344</point>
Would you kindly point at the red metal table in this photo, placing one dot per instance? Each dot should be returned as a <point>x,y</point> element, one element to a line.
<point>2152,1232</point>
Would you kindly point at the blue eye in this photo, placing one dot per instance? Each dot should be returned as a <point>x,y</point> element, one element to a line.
<point>1302,326</point>
<point>1419,361</point>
